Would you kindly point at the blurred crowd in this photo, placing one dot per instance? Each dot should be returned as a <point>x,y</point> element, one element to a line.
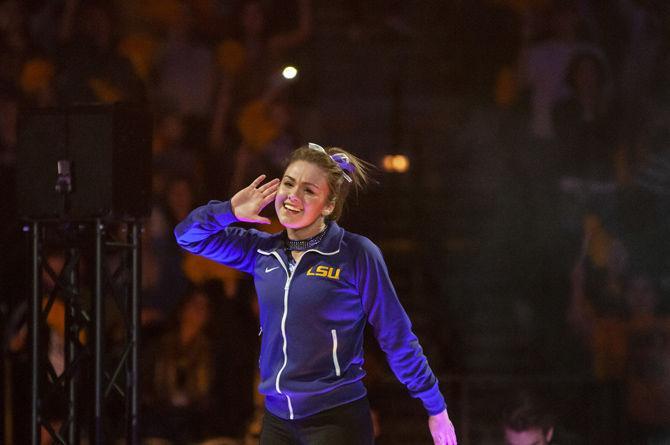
<point>210,72</point>
<point>579,119</point>
<point>575,119</point>
<point>572,139</point>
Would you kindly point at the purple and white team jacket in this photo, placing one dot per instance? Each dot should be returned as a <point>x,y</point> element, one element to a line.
<point>312,321</point>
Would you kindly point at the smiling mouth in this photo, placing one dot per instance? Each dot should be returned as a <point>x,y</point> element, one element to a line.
<point>291,208</point>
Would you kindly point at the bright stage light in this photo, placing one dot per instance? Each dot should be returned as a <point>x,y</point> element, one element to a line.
<point>289,72</point>
<point>395,163</point>
<point>400,163</point>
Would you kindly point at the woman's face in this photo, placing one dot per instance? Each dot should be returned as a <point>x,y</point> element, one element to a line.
<point>302,198</point>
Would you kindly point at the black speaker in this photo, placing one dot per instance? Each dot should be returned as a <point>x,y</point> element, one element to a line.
<point>84,161</point>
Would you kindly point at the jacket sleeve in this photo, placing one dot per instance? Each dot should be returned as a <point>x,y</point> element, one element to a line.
<point>393,329</point>
<point>205,232</point>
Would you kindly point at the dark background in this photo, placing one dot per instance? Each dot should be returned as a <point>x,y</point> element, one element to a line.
<point>483,231</point>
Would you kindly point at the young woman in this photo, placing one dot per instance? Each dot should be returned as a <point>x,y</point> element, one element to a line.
<point>318,285</point>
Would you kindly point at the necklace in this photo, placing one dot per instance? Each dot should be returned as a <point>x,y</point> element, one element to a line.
<point>305,244</point>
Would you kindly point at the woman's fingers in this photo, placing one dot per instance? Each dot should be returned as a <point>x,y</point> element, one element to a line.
<point>269,187</point>
<point>256,182</point>
<point>269,198</point>
<point>451,437</point>
<point>268,191</point>
<point>250,201</point>
<point>451,440</point>
<point>258,185</point>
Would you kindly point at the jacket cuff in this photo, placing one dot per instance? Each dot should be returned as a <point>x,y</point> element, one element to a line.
<point>433,401</point>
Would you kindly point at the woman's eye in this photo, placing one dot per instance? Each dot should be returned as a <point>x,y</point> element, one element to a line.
<point>309,191</point>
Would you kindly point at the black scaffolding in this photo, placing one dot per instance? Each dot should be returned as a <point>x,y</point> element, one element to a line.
<point>83,188</point>
<point>96,384</point>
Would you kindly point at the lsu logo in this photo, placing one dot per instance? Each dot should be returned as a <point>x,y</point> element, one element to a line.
<point>324,271</point>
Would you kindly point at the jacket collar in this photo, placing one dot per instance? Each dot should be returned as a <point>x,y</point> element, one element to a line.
<point>329,245</point>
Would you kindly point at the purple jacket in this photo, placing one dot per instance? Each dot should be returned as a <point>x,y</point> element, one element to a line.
<point>312,321</point>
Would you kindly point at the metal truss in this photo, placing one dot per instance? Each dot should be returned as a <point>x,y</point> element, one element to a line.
<point>99,380</point>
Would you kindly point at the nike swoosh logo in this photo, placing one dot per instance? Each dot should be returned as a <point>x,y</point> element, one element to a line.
<point>270,269</point>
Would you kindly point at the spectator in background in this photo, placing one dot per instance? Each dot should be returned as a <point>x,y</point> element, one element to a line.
<point>169,282</point>
<point>90,69</point>
<point>527,421</point>
<point>172,157</point>
<point>260,53</point>
<point>185,70</point>
<point>596,314</point>
<point>16,344</point>
<point>634,350</point>
<point>251,60</point>
<point>647,378</point>
<point>583,120</point>
<point>178,378</point>
<point>17,334</point>
<point>543,66</point>
<point>542,71</point>
<point>234,325</point>
<point>630,347</point>
<point>267,140</point>
<point>252,116</point>
<point>587,137</point>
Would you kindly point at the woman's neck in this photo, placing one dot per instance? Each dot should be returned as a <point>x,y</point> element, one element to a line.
<point>303,233</point>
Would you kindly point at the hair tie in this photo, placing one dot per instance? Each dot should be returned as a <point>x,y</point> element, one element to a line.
<point>341,159</point>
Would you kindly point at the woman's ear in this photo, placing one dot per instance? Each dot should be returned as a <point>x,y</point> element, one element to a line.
<point>327,210</point>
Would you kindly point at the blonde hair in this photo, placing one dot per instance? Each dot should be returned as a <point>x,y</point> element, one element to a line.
<point>341,179</point>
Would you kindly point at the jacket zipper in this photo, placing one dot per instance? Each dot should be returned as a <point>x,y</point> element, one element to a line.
<point>333,332</point>
<point>289,277</point>
<point>283,321</point>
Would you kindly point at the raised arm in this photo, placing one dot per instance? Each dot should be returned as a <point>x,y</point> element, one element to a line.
<point>205,230</point>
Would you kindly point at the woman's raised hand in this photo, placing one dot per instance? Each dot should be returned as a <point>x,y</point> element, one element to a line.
<point>250,201</point>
